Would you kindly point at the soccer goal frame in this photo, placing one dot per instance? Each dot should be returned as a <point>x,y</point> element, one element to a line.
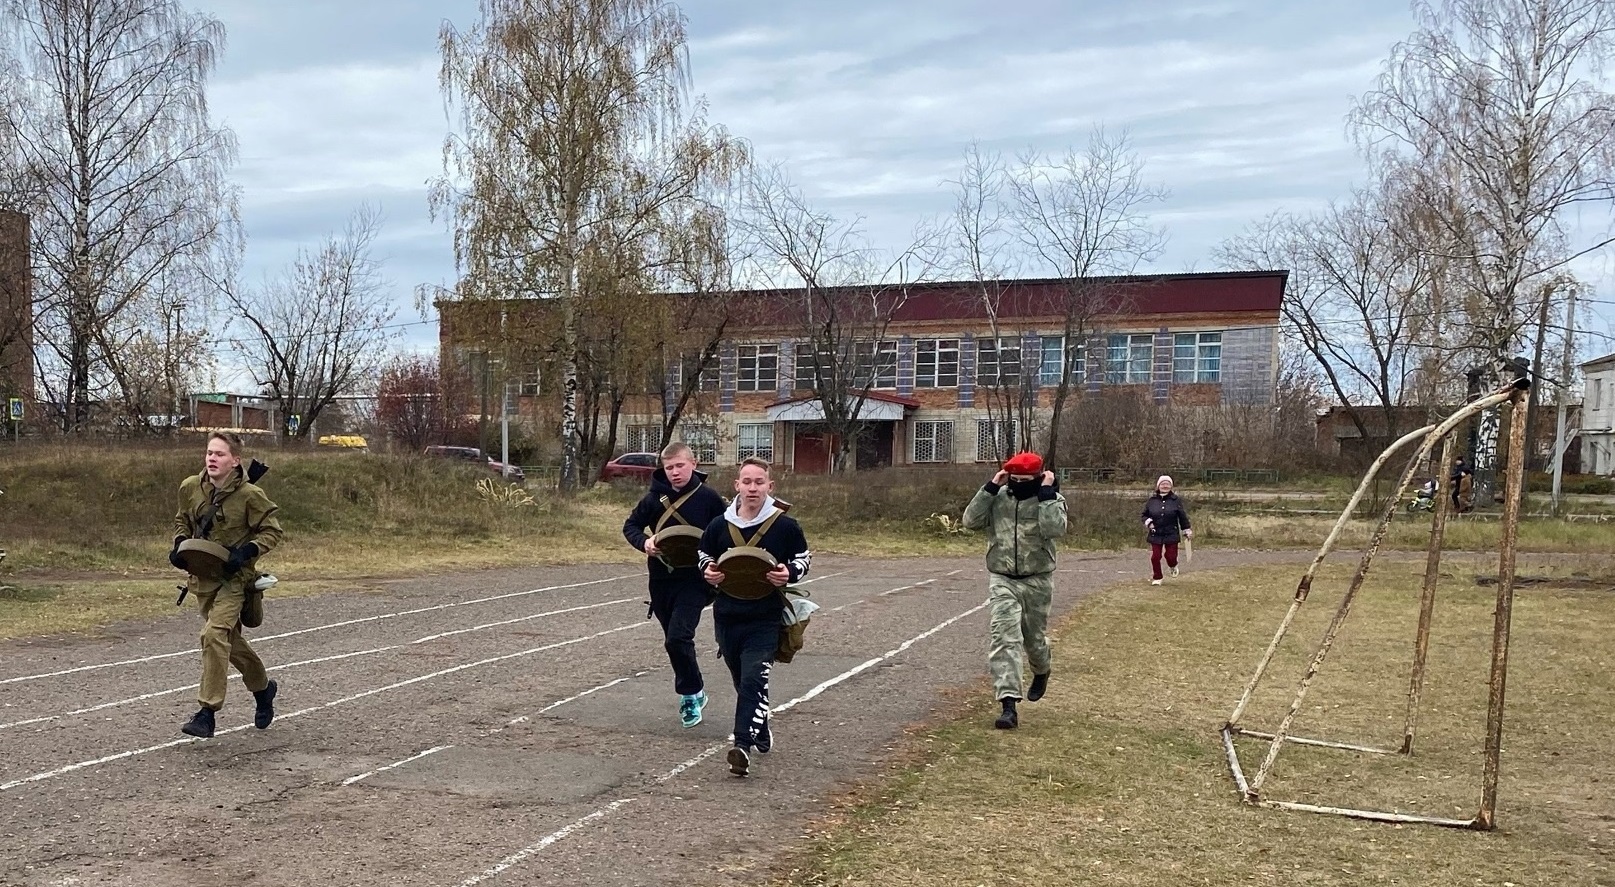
<point>1518,394</point>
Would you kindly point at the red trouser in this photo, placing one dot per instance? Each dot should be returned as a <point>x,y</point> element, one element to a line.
<point>1155,556</point>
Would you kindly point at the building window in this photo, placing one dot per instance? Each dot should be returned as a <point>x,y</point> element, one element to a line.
<point>998,362</point>
<point>875,364</point>
<point>1056,358</point>
<point>528,384</point>
<point>703,441</point>
<point>936,363</point>
<point>755,440</point>
<point>709,375</point>
<point>643,439</point>
<point>1129,359</point>
<point>1197,357</point>
<point>807,365</point>
<point>756,367</point>
<point>933,441</point>
<point>995,439</point>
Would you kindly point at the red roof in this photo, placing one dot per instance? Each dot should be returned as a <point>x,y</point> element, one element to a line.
<point>1137,295</point>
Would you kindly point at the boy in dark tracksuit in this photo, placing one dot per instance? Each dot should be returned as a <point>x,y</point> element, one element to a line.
<point>748,630</point>
<point>678,593</point>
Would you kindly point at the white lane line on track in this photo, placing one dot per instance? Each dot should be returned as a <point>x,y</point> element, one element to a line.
<point>888,591</point>
<point>333,658</point>
<point>385,767</point>
<point>577,825</point>
<point>525,718</point>
<point>326,627</point>
<point>82,765</point>
<point>521,855</point>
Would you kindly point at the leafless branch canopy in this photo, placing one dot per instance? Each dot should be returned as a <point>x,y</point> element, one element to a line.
<point>105,123</point>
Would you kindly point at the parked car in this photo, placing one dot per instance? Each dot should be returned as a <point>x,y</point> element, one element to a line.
<point>476,457</point>
<point>633,466</point>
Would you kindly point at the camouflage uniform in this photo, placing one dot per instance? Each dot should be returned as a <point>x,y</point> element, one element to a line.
<point>1020,568</point>
<point>244,514</point>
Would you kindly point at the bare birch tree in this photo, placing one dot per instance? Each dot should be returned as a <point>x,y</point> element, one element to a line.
<point>133,206</point>
<point>319,329</point>
<point>1364,298</point>
<point>1495,109</point>
<point>701,272</point>
<point>578,132</point>
<point>839,294</point>
<point>981,239</point>
<point>1085,216</point>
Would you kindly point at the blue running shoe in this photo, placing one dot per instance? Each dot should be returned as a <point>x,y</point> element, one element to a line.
<point>690,708</point>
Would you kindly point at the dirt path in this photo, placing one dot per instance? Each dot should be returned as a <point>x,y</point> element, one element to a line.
<point>512,727</point>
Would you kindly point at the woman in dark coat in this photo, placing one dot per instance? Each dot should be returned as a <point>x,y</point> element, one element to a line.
<point>1164,516</point>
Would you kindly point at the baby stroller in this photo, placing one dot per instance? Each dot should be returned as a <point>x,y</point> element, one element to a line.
<point>1424,498</point>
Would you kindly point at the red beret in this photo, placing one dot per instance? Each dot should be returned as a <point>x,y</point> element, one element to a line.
<point>1024,463</point>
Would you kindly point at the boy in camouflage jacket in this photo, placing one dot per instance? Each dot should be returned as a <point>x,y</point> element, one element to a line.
<point>1023,512</point>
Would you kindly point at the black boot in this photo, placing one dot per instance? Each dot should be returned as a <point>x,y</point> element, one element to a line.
<point>200,725</point>
<point>265,712</point>
<point>1007,719</point>
<point>1040,685</point>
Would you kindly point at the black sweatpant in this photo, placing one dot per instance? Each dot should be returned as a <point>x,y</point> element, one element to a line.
<point>748,646</point>
<point>676,601</point>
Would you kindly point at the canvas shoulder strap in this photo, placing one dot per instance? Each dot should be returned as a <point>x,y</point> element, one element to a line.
<point>670,510</point>
<point>204,523</point>
<point>757,537</point>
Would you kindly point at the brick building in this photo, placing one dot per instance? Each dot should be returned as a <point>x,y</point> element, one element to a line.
<point>16,309</point>
<point>1186,339</point>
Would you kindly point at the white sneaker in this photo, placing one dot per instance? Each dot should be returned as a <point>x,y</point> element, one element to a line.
<point>1174,572</point>
<point>1155,582</point>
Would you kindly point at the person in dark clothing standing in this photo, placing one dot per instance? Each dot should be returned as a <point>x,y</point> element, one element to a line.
<point>1164,516</point>
<point>748,629</point>
<point>1461,483</point>
<point>678,497</point>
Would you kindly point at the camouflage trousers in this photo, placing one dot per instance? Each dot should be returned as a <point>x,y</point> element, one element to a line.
<point>1020,621</point>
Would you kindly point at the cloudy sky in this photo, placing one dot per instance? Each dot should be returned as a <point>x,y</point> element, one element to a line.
<point>1236,106</point>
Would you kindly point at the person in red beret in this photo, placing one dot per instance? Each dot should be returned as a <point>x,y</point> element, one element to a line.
<point>1023,512</point>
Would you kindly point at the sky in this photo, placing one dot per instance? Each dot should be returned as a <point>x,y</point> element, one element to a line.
<point>1236,107</point>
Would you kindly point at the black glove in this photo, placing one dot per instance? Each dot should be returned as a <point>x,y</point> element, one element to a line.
<point>173,554</point>
<point>239,556</point>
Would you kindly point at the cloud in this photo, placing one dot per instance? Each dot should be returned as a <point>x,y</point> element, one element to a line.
<point>1236,106</point>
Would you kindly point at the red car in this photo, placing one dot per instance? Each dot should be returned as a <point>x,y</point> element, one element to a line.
<point>633,466</point>
<point>475,456</point>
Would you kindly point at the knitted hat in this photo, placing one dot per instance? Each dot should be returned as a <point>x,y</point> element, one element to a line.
<point>1024,463</point>
<point>1165,477</point>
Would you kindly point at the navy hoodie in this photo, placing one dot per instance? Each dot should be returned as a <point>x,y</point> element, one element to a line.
<point>784,540</point>
<point>701,509</point>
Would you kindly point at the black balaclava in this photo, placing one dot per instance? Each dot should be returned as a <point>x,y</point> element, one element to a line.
<point>1025,489</point>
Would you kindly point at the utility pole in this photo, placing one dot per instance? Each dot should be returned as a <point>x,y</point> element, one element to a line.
<point>1559,441</point>
<point>504,432</point>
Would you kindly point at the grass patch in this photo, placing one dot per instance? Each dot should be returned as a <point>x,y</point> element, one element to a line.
<point>1118,777</point>
<point>92,520</point>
